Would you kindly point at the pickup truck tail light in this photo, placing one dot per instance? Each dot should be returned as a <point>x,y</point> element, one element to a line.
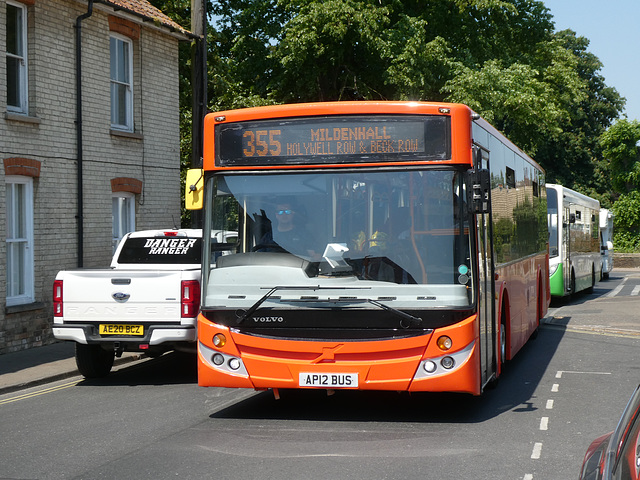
<point>57,298</point>
<point>190,298</point>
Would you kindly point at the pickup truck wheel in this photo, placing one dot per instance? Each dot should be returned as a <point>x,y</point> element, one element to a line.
<point>93,361</point>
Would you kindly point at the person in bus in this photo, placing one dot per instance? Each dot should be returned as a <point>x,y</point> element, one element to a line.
<point>288,233</point>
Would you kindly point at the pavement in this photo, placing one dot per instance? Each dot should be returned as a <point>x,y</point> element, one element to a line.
<point>616,316</point>
<point>49,363</point>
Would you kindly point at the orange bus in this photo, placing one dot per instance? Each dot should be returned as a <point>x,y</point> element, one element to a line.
<point>380,245</point>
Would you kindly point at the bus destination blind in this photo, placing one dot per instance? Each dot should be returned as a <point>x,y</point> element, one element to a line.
<point>327,140</point>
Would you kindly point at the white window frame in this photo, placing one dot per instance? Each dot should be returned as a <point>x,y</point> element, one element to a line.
<point>121,81</point>
<point>21,56</point>
<point>123,215</point>
<point>20,275</point>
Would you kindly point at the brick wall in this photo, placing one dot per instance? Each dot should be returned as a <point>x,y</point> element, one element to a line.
<point>48,136</point>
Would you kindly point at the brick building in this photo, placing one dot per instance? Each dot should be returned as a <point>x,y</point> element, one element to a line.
<point>83,162</point>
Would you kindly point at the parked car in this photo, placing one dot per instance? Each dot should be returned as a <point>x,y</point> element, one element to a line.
<point>147,301</point>
<point>616,456</point>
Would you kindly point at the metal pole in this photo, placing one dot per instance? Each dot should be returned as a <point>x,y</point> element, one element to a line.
<point>199,89</point>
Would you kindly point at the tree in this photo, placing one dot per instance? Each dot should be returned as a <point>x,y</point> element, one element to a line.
<point>542,88</point>
<point>518,99</point>
<point>620,146</point>
<point>572,156</point>
<point>241,66</point>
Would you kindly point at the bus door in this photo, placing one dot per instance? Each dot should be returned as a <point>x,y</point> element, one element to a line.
<point>566,247</point>
<point>486,291</point>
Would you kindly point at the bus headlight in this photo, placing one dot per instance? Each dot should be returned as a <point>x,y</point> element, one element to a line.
<point>222,362</point>
<point>448,363</point>
<point>217,359</point>
<point>429,366</point>
<point>552,269</point>
<point>435,366</point>
<point>234,363</point>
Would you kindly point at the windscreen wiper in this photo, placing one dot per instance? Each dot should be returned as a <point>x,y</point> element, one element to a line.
<point>406,321</point>
<point>243,315</point>
<point>412,321</point>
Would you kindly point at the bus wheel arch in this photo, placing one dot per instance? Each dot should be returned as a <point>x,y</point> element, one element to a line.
<point>539,306</point>
<point>503,333</point>
<point>593,278</point>
<point>572,282</point>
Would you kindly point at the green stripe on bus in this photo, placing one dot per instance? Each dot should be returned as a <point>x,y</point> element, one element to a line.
<point>556,282</point>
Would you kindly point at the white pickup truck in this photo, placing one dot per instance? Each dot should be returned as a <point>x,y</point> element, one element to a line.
<point>148,300</point>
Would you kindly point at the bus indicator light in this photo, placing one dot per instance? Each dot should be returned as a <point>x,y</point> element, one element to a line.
<point>219,340</point>
<point>444,343</point>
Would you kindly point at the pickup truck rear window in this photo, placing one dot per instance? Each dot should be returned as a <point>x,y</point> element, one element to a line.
<point>163,250</point>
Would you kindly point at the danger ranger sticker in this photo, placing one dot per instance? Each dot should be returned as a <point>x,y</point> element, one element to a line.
<point>169,246</point>
<point>328,380</point>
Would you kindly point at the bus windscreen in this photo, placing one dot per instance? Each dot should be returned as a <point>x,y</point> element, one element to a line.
<point>334,139</point>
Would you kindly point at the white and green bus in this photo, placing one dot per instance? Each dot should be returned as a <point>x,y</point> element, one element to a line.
<point>606,241</point>
<point>575,263</point>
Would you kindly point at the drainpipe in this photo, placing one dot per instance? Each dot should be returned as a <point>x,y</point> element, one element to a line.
<point>79,215</point>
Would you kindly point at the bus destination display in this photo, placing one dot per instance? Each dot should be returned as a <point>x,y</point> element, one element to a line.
<point>331,140</point>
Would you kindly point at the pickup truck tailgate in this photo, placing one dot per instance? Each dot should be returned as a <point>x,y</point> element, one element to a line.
<point>123,296</point>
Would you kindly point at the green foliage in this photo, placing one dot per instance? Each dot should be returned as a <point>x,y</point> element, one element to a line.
<point>542,88</point>
<point>335,47</point>
<point>626,242</point>
<point>626,221</point>
<point>620,148</point>
<point>573,156</point>
<point>516,99</point>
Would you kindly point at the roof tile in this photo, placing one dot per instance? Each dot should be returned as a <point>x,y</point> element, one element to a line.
<point>145,9</point>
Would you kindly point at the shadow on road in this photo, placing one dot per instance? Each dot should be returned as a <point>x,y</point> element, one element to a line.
<point>513,393</point>
<point>172,368</point>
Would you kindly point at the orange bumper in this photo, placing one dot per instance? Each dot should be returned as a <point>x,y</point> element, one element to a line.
<point>393,364</point>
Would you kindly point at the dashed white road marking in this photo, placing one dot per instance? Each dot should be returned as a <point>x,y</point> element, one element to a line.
<point>635,290</point>
<point>537,450</point>
<point>616,290</point>
<point>559,373</point>
<point>544,423</point>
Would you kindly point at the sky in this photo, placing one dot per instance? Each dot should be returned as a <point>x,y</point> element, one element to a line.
<point>613,29</point>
